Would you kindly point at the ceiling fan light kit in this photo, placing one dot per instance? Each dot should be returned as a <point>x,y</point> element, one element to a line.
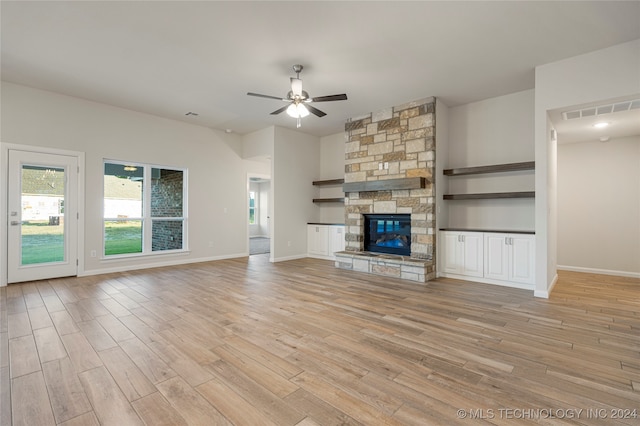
<point>299,99</point>
<point>297,111</point>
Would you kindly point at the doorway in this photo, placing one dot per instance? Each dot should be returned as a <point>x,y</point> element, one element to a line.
<point>598,186</point>
<point>259,216</point>
<point>42,197</point>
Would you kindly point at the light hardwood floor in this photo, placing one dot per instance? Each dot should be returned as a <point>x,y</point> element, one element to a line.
<point>247,342</point>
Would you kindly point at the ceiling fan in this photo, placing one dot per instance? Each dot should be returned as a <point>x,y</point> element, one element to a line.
<point>299,99</point>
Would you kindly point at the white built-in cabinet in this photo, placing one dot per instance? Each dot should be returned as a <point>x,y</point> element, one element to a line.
<point>463,253</point>
<point>509,257</point>
<point>324,240</point>
<point>490,257</point>
<point>336,239</point>
<point>317,240</point>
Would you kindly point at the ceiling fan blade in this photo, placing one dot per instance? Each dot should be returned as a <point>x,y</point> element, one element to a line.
<point>342,97</point>
<point>315,111</point>
<point>266,96</point>
<point>279,110</point>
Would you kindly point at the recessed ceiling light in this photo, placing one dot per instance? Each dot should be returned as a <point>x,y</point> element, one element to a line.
<point>601,125</point>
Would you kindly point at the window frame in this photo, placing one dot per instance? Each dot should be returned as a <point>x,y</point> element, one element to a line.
<point>146,219</point>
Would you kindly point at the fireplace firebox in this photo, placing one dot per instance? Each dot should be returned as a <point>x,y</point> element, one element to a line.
<point>388,233</point>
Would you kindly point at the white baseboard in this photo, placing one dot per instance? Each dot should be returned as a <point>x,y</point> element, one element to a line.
<point>599,271</point>
<point>126,268</point>
<point>541,294</point>
<point>319,256</point>
<point>284,259</point>
<point>487,281</point>
<point>544,294</point>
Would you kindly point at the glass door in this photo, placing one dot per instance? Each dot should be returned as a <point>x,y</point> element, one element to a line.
<point>42,216</point>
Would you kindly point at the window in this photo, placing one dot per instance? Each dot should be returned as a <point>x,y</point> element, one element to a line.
<point>144,209</point>
<point>253,219</point>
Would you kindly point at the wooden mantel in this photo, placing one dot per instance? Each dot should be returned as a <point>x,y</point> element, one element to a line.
<point>385,184</point>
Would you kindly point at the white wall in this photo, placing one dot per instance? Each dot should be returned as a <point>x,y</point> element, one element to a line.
<point>604,74</point>
<point>295,166</point>
<point>599,206</point>
<point>551,200</point>
<point>331,167</point>
<point>264,189</point>
<point>258,145</point>
<point>441,183</point>
<point>216,171</point>
<point>493,131</point>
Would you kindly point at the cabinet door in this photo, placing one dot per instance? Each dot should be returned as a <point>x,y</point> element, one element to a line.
<point>318,240</point>
<point>452,261</point>
<point>496,256</point>
<point>322,241</point>
<point>473,254</point>
<point>522,254</point>
<point>336,239</point>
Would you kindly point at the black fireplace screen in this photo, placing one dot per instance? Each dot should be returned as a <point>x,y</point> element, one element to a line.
<point>388,233</point>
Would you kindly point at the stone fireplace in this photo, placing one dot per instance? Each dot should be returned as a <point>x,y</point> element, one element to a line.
<point>389,170</point>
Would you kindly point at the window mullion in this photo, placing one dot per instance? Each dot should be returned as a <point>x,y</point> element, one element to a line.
<point>146,211</point>
<point>185,211</point>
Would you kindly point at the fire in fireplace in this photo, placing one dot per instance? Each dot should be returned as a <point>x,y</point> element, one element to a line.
<point>388,233</point>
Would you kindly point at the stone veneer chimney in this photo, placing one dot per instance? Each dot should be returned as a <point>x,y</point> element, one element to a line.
<point>395,144</point>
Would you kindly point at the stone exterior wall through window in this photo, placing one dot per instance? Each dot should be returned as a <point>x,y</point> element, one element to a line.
<point>167,202</point>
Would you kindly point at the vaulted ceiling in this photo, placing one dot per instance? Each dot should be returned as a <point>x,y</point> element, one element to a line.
<point>169,58</point>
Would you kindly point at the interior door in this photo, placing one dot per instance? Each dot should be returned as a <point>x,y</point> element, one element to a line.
<point>43,216</point>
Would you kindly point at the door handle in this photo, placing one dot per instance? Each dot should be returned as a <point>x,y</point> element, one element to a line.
<point>15,222</point>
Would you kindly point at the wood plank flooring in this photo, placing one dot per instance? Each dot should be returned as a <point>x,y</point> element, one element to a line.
<point>246,342</point>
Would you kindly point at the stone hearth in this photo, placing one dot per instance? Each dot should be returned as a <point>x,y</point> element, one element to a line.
<point>391,150</point>
<point>387,265</point>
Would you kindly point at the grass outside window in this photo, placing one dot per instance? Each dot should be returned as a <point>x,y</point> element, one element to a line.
<point>42,243</point>
<point>122,237</point>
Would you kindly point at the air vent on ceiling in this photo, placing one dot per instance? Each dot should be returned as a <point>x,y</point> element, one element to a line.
<point>601,109</point>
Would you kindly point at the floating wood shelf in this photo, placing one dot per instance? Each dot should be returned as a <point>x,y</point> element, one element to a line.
<point>497,168</point>
<point>385,184</point>
<point>484,196</point>
<point>328,200</point>
<point>328,182</point>
<point>495,231</point>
